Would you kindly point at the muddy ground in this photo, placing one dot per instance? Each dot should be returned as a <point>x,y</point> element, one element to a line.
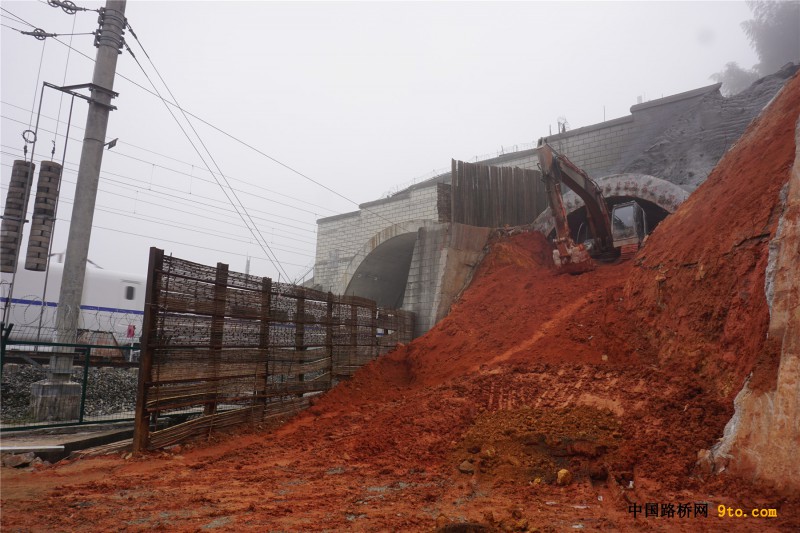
<point>519,390</point>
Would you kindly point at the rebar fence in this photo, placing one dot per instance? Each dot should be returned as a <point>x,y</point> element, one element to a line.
<point>224,348</point>
<point>46,384</point>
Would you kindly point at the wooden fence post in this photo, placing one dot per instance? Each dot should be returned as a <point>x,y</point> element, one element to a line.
<point>141,427</point>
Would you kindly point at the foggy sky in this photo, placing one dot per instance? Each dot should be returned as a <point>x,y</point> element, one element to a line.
<point>362,97</point>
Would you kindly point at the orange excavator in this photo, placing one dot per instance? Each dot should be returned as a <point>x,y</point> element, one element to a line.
<point>619,233</point>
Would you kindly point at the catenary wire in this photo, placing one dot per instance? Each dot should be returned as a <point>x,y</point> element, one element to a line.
<point>171,207</point>
<point>169,169</point>
<point>145,218</point>
<point>198,178</point>
<point>253,229</point>
<point>64,81</point>
<point>262,153</point>
<point>196,195</point>
<point>265,247</point>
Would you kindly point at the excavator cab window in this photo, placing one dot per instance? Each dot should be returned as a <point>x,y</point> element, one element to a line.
<point>627,224</point>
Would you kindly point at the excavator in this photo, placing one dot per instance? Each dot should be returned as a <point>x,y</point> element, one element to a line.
<point>614,235</point>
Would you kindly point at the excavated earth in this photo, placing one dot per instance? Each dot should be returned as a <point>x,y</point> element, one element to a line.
<point>619,376</point>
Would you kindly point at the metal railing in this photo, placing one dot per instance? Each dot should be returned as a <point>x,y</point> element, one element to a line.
<point>107,376</point>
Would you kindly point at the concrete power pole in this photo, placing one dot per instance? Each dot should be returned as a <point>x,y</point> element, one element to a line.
<point>109,43</point>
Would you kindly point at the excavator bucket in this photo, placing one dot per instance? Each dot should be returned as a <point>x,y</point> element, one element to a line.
<point>574,259</point>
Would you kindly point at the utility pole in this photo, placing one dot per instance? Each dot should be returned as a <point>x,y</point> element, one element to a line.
<point>109,43</point>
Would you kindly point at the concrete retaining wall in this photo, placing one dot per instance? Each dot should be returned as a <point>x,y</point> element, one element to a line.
<point>443,261</point>
<point>609,147</point>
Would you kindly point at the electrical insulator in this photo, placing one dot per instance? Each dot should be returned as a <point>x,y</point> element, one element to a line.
<point>44,215</point>
<point>14,215</point>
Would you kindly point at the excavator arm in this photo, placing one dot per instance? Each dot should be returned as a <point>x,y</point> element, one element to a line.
<point>557,169</point>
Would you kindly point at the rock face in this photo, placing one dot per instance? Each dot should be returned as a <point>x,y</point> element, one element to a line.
<point>696,140</point>
<point>764,434</point>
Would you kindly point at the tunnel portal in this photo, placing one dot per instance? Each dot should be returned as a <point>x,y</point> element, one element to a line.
<point>383,274</point>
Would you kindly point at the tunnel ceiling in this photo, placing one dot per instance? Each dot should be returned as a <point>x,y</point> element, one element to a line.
<point>383,274</point>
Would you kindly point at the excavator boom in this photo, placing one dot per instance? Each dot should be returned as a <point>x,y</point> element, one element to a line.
<point>565,171</point>
<point>568,256</point>
<point>629,222</point>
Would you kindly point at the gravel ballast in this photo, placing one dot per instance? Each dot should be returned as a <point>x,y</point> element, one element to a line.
<point>109,391</point>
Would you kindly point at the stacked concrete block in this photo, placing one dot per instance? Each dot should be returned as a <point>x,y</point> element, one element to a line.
<point>597,149</point>
<point>44,215</point>
<point>14,215</point>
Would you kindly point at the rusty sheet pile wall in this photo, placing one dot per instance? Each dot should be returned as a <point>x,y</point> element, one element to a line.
<point>229,348</point>
<point>491,196</point>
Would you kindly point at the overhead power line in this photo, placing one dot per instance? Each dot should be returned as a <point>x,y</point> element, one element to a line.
<point>40,35</point>
<point>188,245</point>
<point>115,230</point>
<point>199,229</point>
<point>192,196</point>
<point>11,27</point>
<point>169,169</point>
<point>161,222</point>
<point>198,178</point>
<point>68,6</point>
<point>171,207</point>
<point>17,18</point>
<point>230,136</point>
<point>243,213</point>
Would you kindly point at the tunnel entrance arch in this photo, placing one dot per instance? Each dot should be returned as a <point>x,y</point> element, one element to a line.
<point>657,197</point>
<point>383,274</point>
<point>379,271</point>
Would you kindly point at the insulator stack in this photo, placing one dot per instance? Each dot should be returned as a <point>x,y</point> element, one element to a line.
<point>14,215</point>
<point>44,216</point>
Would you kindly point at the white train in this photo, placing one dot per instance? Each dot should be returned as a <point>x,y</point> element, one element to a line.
<point>112,306</point>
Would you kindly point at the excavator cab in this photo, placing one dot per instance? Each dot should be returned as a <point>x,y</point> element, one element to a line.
<point>628,227</point>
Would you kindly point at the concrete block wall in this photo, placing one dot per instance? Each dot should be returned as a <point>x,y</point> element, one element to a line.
<point>609,147</point>
<point>340,238</point>
<point>596,149</point>
<point>445,256</point>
